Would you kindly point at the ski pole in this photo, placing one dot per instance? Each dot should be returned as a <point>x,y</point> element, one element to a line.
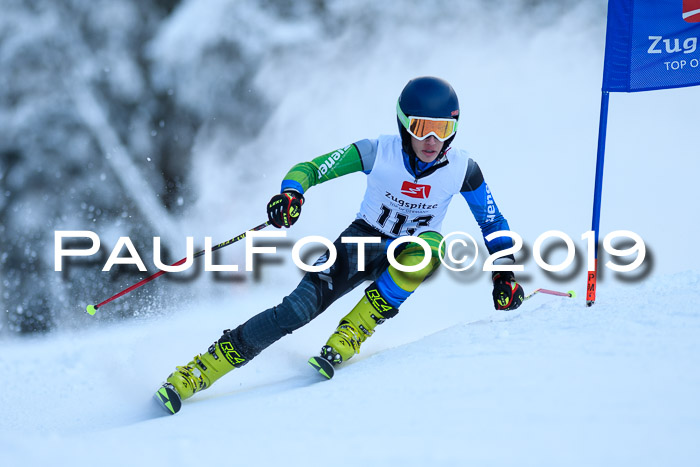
<point>570,293</point>
<point>92,309</point>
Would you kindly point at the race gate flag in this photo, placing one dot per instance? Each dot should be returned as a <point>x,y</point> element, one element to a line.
<point>652,44</point>
<point>649,44</point>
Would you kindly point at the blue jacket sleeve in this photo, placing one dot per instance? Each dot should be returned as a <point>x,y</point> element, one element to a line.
<point>480,200</point>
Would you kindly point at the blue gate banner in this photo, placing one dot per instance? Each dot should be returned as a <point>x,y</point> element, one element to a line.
<point>652,44</point>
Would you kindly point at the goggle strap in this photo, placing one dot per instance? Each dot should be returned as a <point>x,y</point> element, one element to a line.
<point>405,121</point>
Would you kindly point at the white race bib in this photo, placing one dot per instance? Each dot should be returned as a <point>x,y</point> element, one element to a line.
<point>397,204</point>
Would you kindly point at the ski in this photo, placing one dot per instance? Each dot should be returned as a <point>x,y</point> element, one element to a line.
<point>323,366</point>
<point>168,398</point>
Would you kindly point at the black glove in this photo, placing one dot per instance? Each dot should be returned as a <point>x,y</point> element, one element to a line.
<point>507,294</point>
<point>284,209</point>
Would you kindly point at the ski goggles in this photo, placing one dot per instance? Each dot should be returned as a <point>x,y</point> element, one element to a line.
<point>422,127</point>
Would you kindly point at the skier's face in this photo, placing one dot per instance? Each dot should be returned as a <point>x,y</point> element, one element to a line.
<point>428,149</point>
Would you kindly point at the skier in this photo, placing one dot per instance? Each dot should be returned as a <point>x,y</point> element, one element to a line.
<point>411,178</point>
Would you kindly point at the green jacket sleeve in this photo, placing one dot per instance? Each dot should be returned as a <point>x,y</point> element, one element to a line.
<point>335,164</point>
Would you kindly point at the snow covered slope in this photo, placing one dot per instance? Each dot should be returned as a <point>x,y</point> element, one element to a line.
<point>553,383</point>
<point>449,381</point>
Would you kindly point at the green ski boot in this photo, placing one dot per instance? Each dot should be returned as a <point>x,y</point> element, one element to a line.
<point>356,327</point>
<point>205,369</point>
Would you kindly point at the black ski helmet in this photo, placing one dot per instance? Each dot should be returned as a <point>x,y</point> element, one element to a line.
<point>427,96</point>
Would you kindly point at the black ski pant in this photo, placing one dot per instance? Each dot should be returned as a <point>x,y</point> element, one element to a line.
<point>316,292</point>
